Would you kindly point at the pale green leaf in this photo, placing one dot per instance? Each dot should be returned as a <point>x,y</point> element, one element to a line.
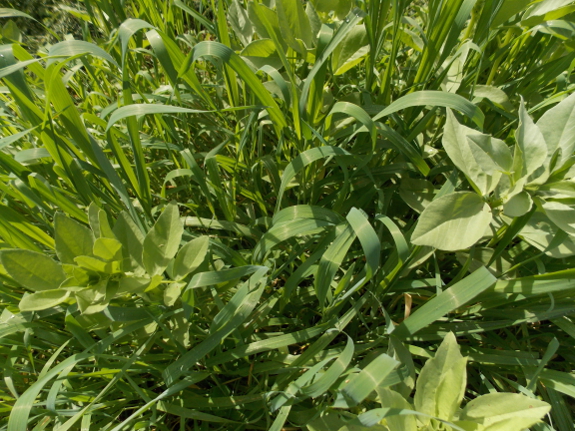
<point>145,109</point>
<point>43,300</point>
<point>108,249</point>
<point>240,23</point>
<point>163,240</point>
<point>351,50</point>
<point>452,222</point>
<point>561,214</point>
<point>441,383</point>
<point>494,95</point>
<point>518,205</point>
<point>7,13</point>
<point>392,399</point>
<point>32,270</point>
<point>370,378</point>
<point>505,411</point>
<point>450,299</point>
<point>71,48</point>
<point>417,193</point>
<point>72,239</point>
<point>434,98</point>
<point>132,241</point>
<point>99,222</point>
<point>190,257</point>
<point>470,152</point>
<point>540,232</point>
<point>294,25</point>
<point>558,129</point>
<point>531,142</point>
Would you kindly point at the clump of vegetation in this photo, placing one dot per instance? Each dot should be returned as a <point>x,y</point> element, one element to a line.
<point>268,215</point>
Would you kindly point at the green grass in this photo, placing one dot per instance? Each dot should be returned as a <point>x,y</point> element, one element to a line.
<point>221,215</point>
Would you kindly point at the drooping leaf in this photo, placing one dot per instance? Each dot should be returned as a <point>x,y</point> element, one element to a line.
<point>540,232</point>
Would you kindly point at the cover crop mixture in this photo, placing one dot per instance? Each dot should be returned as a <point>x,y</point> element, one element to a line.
<point>279,215</point>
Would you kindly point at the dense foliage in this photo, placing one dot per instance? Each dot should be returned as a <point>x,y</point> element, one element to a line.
<point>283,215</point>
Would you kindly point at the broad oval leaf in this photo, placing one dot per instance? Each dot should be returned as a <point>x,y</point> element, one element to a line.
<point>562,215</point>
<point>452,222</point>
<point>351,50</point>
<point>163,240</point>
<point>518,205</point>
<point>505,411</point>
<point>43,300</point>
<point>132,241</point>
<point>558,128</point>
<point>240,22</point>
<point>531,143</point>
<point>72,239</point>
<point>294,25</point>
<point>441,384</point>
<point>32,270</point>
<point>190,256</point>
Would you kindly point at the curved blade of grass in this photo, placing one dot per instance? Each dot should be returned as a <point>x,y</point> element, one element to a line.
<point>326,381</point>
<point>71,48</point>
<point>228,56</point>
<point>303,160</point>
<point>272,343</point>
<point>401,145</point>
<point>18,420</point>
<point>331,260</point>
<point>362,384</point>
<point>198,17</point>
<point>400,243</point>
<point>435,98</point>
<point>306,211</point>
<point>216,277</point>
<point>356,112</point>
<point>349,23</point>
<point>285,231</point>
<point>188,360</point>
<point>456,296</point>
<point>128,28</point>
<point>368,239</point>
<point>145,109</point>
<point>8,13</point>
